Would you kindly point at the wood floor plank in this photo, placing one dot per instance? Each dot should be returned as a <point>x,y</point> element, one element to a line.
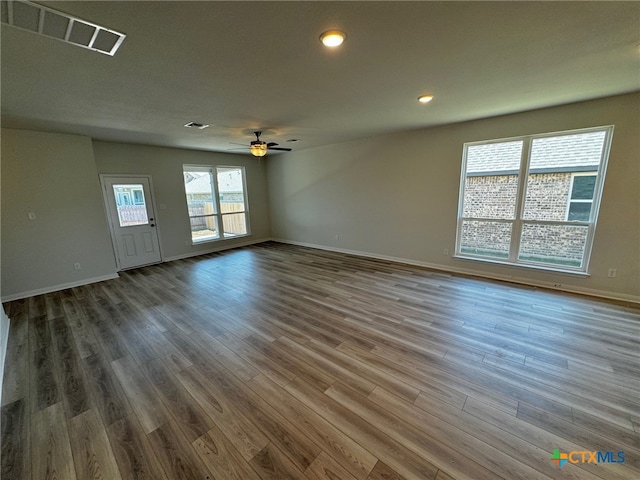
<point>326,468</point>
<point>15,440</point>
<point>192,351</point>
<point>271,464</point>
<point>541,439</point>
<point>282,357</point>
<point>418,440</point>
<point>378,443</point>
<point>135,457</point>
<point>222,458</point>
<point>225,356</point>
<point>563,428</point>
<point>50,438</point>
<point>278,361</point>
<point>510,457</point>
<point>366,370</point>
<point>16,378</point>
<point>245,436</point>
<point>43,384</point>
<point>452,381</point>
<point>143,398</point>
<point>335,370</point>
<point>175,454</point>
<point>351,455</point>
<point>106,391</point>
<point>280,431</point>
<point>382,471</point>
<point>93,457</point>
<point>71,376</point>
<point>257,359</point>
<point>84,336</point>
<point>189,416</point>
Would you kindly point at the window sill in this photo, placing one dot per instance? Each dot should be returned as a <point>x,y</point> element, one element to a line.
<point>212,240</point>
<point>528,266</point>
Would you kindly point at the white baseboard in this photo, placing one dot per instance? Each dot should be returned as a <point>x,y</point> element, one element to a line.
<point>56,288</point>
<point>635,299</point>
<point>217,248</point>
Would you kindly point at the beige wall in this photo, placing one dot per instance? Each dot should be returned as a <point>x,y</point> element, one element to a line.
<point>165,167</point>
<point>55,177</point>
<point>397,195</point>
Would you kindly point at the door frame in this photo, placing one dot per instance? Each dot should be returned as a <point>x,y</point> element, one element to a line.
<point>105,201</point>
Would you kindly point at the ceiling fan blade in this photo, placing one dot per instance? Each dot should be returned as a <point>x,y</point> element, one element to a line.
<point>280,148</point>
<point>271,144</point>
<point>238,148</point>
<point>236,143</point>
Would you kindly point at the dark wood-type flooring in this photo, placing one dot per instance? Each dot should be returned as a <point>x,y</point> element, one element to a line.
<point>282,362</point>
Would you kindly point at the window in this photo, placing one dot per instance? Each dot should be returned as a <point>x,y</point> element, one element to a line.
<point>533,200</point>
<point>217,202</point>
<point>138,197</point>
<point>583,187</point>
<point>130,214</point>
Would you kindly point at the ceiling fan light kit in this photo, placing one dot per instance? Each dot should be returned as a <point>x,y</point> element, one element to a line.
<point>258,149</point>
<point>333,38</point>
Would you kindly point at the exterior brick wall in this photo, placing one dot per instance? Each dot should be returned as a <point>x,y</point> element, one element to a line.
<point>562,244</point>
<point>490,196</point>
<point>493,196</point>
<point>547,196</point>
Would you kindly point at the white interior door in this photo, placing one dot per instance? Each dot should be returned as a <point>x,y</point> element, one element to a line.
<point>132,220</point>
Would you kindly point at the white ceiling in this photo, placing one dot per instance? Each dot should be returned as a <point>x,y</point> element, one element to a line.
<point>242,66</point>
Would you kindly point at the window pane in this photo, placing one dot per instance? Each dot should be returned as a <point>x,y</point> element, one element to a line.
<point>553,244</point>
<point>575,150</point>
<point>138,197</point>
<point>487,239</point>
<point>490,196</point>
<point>234,224</point>
<point>131,205</point>
<point>553,161</point>
<point>579,211</point>
<point>199,192</point>
<point>204,228</point>
<point>547,196</point>
<point>583,187</point>
<point>230,190</point>
<point>491,181</point>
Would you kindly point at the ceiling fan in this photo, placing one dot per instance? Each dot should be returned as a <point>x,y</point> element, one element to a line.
<point>259,148</point>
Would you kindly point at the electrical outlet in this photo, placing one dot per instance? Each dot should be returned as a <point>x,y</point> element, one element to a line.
<point>446,251</point>
<point>337,237</point>
<point>612,273</point>
<point>76,266</point>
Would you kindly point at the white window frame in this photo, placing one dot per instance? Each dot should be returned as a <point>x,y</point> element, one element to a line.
<point>518,222</point>
<point>212,170</point>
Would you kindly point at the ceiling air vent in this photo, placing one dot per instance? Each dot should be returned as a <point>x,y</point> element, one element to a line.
<point>51,23</point>
<point>199,126</point>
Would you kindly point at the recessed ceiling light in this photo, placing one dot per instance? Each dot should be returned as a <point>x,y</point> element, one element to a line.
<point>425,98</point>
<point>333,38</point>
